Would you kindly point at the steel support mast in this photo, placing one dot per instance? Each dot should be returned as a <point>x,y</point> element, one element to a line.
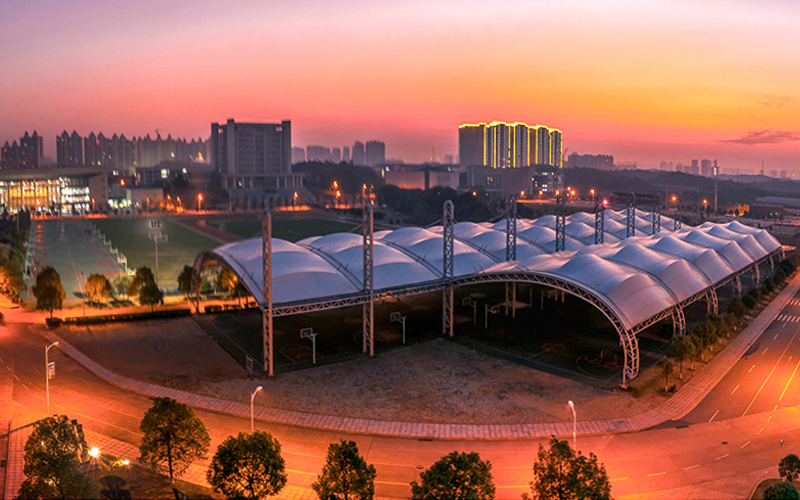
<point>448,241</point>
<point>266,288</point>
<point>368,283</point>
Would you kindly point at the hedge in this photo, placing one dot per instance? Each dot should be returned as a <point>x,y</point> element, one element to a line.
<point>108,318</point>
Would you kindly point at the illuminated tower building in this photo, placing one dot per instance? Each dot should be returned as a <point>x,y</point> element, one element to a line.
<point>471,144</point>
<point>31,151</point>
<point>555,148</point>
<point>543,154</point>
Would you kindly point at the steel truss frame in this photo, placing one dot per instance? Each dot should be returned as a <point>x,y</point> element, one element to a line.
<point>560,223</point>
<point>511,228</point>
<point>266,289</point>
<point>656,214</point>
<point>368,283</point>
<point>448,243</point>
<point>631,215</point>
<point>599,219</point>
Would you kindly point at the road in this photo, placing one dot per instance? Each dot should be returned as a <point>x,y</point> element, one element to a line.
<point>699,457</point>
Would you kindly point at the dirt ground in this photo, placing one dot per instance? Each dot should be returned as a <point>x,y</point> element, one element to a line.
<point>437,381</point>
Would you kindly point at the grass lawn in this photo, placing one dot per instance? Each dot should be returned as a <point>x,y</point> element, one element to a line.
<point>290,229</point>
<point>142,482</point>
<point>131,237</point>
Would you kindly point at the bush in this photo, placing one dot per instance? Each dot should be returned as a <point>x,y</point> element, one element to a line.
<point>781,491</point>
<point>737,308</point>
<point>53,322</point>
<point>749,301</point>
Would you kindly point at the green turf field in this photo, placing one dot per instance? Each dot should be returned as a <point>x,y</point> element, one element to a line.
<point>290,229</point>
<point>131,237</point>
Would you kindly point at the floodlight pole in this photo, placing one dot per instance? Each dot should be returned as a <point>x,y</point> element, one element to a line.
<point>266,289</point>
<point>574,426</point>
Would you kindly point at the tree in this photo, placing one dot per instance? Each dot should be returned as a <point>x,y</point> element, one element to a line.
<point>346,475</point>
<point>789,467</point>
<point>681,348</point>
<point>48,291</point>
<point>666,369</point>
<point>456,476</point>
<point>562,474</point>
<point>172,437</point>
<point>248,466</point>
<point>141,277</point>
<point>122,283</point>
<point>97,288</point>
<point>737,308</point>
<point>185,280</point>
<point>781,491</point>
<point>150,295</point>
<point>53,455</point>
<point>227,280</point>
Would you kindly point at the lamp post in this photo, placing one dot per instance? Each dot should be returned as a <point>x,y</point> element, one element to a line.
<point>199,202</point>
<point>574,426</point>
<point>94,453</point>
<point>47,372</point>
<point>252,397</point>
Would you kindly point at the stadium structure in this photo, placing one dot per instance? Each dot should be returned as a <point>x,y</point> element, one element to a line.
<point>636,268</point>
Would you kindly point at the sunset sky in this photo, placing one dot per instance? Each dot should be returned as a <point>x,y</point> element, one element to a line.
<point>643,80</point>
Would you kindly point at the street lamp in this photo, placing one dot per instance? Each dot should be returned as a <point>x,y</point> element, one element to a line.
<point>47,372</point>
<point>252,397</point>
<point>199,202</point>
<point>94,453</point>
<point>574,426</point>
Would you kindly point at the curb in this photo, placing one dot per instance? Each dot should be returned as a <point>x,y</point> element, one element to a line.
<point>675,408</point>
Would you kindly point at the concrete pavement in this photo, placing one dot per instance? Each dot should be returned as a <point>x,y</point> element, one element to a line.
<point>677,407</point>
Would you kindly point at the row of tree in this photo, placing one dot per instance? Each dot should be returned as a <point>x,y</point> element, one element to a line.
<point>250,465</point>
<point>684,348</point>
<point>50,293</point>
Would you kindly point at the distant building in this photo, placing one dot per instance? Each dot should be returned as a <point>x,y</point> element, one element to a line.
<point>359,154</point>
<point>449,160</point>
<point>336,155</point>
<point>501,183</point>
<point>375,153</point>
<point>54,190</point>
<point>318,153</point>
<point>706,168</point>
<point>298,155</point>
<point>253,155</point>
<point>597,162</point>
<point>9,159</point>
<point>69,149</point>
<point>421,177</point>
<point>503,145</point>
<point>346,154</point>
<point>695,168</point>
<point>783,174</point>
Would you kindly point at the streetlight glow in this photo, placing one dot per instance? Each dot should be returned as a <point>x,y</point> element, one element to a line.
<point>47,372</point>
<point>94,452</point>
<point>252,397</point>
<point>574,425</point>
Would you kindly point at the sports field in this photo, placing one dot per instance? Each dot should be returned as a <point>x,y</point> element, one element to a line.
<point>285,227</point>
<point>131,237</point>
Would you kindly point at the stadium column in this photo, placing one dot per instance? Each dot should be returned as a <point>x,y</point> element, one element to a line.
<point>712,301</point>
<point>448,242</point>
<point>737,284</point>
<point>678,321</point>
<point>368,284</point>
<point>266,290</point>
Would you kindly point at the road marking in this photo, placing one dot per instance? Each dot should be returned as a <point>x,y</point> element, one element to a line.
<point>751,368</point>
<point>26,387</point>
<point>775,337</point>
<point>734,389</point>
<point>770,374</point>
<point>765,351</point>
<point>790,380</point>
<point>759,431</point>
<point>776,407</point>
<point>612,480</point>
<point>692,467</point>
<point>723,456</point>
<point>769,418</point>
<point>656,474</point>
<point>742,446</point>
<point>714,415</point>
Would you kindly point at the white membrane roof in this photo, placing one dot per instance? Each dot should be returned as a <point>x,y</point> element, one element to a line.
<point>637,277</point>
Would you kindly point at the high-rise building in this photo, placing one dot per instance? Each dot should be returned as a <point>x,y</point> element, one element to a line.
<point>318,153</point>
<point>336,155</point>
<point>359,154</point>
<point>31,151</point>
<point>471,144</point>
<point>69,149</point>
<point>346,154</point>
<point>298,155</point>
<point>706,168</point>
<point>504,145</point>
<point>9,159</point>
<point>253,155</point>
<point>375,153</point>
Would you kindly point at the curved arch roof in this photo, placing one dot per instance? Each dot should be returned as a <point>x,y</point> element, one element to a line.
<point>637,277</point>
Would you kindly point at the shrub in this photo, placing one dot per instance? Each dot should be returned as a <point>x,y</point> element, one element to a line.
<point>781,491</point>
<point>749,301</point>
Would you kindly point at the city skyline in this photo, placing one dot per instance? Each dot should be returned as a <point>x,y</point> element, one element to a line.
<point>663,81</point>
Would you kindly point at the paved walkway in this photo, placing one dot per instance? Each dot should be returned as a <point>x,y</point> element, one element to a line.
<point>677,406</point>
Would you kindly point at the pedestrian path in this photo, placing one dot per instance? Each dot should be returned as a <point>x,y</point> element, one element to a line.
<point>789,318</point>
<point>675,408</point>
